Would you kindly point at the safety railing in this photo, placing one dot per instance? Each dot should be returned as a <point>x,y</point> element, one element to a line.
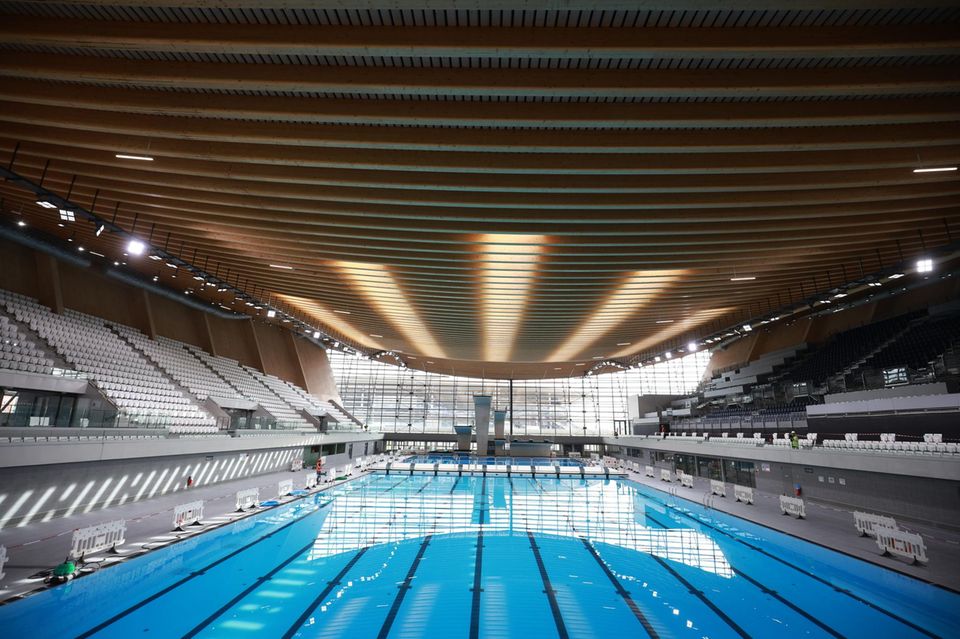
<point>743,494</point>
<point>865,523</point>
<point>106,536</point>
<point>893,541</point>
<point>718,488</point>
<point>793,506</point>
<point>248,498</point>
<point>186,514</point>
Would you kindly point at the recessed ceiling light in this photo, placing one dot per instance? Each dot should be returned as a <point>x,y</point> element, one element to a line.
<point>97,254</point>
<point>743,279</point>
<point>581,364</point>
<point>664,322</point>
<point>341,312</point>
<point>875,284</point>
<point>747,327</point>
<point>171,265</point>
<point>316,335</point>
<point>46,205</point>
<point>127,156</point>
<point>623,343</point>
<point>935,169</point>
<point>81,249</point>
<point>375,335</point>
<point>67,215</point>
<point>839,296</point>
<point>556,368</point>
<point>896,276</point>
<point>21,223</point>
<point>271,313</point>
<point>282,267</point>
<point>156,278</point>
<point>135,247</point>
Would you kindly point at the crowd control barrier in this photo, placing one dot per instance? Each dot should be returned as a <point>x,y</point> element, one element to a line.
<point>743,493</point>
<point>793,506</point>
<point>284,487</point>
<point>666,475</point>
<point>686,480</point>
<point>3,560</point>
<point>718,488</point>
<point>248,498</point>
<point>186,514</point>
<point>295,465</point>
<point>865,522</point>
<point>96,538</point>
<point>892,541</point>
<point>309,481</point>
<point>648,471</point>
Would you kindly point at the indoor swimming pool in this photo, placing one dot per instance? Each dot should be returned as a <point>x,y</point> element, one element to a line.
<point>446,556</point>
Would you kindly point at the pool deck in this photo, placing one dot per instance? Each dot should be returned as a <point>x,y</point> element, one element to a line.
<point>832,527</point>
<point>40,546</point>
<point>43,545</point>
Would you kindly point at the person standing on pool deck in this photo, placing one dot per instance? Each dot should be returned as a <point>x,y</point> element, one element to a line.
<point>319,469</point>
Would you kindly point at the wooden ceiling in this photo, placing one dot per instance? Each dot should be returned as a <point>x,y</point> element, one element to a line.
<point>513,192</point>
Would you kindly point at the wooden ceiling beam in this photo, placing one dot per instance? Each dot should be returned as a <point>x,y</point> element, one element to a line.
<point>590,83</point>
<point>211,177</point>
<point>484,141</point>
<point>556,43</point>
<point>546,115</point>
<point>498,163</point>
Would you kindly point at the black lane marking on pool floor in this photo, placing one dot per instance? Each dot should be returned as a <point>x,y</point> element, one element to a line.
<point>454,487</point>
<point>634,608</point>
<point>192,575</point>
<point>425,484</point>
<point>483,501</point>
<point>246,591</point>
<point>475,603</point>
<point>853,596</point>
<point>398,600</point>
<point>548,589</point>
<point>398,483</point>
<point>772,593</point>
<point>333,583</point>
<point>699,595</point>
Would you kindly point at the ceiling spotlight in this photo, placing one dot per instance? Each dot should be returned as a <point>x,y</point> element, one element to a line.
<point>46,205</point>
<point>743,279</point>
<point>136,247</point>
<point>21,223</point>
<point>875,284</point>
<point>668,354</point>
<point>747,327</point>
<point>925,265</point>
<point>936,169</point>
<point>126,156</point>
<point>316,335</point>
<point>81,249</point>
<point>282,266</point>
<point>839,296</point>
<point>100,229</point>
<point>67,215</point>
<point>116,263</point>
<point>657,358</point>
<point>156,278</point>
<point>271,313</point>
<point>896,276</point>
<point>692,346</point>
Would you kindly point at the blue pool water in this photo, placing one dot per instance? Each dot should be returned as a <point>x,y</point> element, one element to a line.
<point>463,557</point>
<point>466,458</point>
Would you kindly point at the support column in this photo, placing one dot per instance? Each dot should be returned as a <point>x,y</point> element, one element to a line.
<point>499,417</point>
<point>251,332</point>
<point>481,406</point>
<point>49,292</point>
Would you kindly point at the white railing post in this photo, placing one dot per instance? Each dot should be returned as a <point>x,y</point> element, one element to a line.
<point>794,506</point>
<point>865,523</point>
<point>247,498</point>
<point>892,541</point>
<point>186,514</point>
<point>105,536</point>
<point>743,493</point>
<point>284,487</point>
<point>666,475</point>
<point>718,488</point>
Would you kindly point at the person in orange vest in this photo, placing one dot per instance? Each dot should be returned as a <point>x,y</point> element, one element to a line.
<point>319,469</point>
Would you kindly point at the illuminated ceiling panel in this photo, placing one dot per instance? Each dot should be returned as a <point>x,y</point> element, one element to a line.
<point>635,292</point>
<point>508,267</point>
<point>675,328</point>
<point>331,320</point>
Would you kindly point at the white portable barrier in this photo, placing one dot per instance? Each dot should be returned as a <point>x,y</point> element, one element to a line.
<point>3,560</point>
<point>743,493</point>
<point>686,480</point>
<point>248,498</point>
<point>186,514</point>
<point>718,488</point>
<point>893,541</point>
<point>309,481</point>
<point>295,465</point>
<point>666,475</point>
<point>648,470</point>
<point>284,487</point>
<point>794,506</point>
<point>96,538</point>
<point>866,522</point>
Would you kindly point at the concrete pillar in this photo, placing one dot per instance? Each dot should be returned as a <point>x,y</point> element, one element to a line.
<point>499,417</point>
<point>48,291</point>
<point>481,406</point>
